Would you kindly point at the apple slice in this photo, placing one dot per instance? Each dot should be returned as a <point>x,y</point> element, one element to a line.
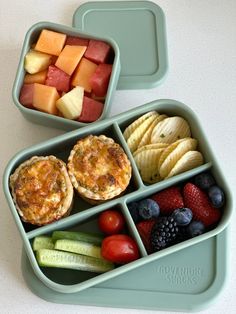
<point>36,61</point>
<point>70,104</point>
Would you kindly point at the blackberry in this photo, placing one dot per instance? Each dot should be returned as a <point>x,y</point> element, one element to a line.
<point>164,233</point>
<point>182,235</point>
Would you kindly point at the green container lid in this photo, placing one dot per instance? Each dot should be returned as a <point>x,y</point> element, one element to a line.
<point>138,27</point>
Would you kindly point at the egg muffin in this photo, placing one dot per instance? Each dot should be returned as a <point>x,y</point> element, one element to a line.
<point>42,190</point>
<point>98,168</point>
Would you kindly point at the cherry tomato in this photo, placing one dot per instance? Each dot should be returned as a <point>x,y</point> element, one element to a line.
<point>120,249</point>
<point>111,221</point>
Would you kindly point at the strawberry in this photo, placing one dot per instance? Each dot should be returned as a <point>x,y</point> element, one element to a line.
<point>197,200</point>
<point>144,228</point>
<point>168,200</point>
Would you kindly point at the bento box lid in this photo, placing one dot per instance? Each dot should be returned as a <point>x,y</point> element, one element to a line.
<point>139,29</point>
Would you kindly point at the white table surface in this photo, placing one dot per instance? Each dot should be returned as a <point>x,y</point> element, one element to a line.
<point>202,74</point>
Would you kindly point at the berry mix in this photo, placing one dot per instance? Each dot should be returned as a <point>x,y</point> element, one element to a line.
<point>178,213</point>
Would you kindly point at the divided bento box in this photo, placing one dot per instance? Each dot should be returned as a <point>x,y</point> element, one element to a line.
<point>84,216</point>
<point>90,23</point>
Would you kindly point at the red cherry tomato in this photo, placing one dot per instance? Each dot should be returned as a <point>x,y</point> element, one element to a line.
<point>120,249</point>
<point>111,221</point>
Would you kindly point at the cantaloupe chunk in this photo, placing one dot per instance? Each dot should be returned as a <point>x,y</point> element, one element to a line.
<point>45,97</point>
<point>69,58</point>
<point>36,61</point>
<point>39,77</point>
<point>50,42</point>
<point>83,74</point>
<point>70,105</point>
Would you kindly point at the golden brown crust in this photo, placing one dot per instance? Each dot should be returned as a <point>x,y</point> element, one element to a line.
<point>99,168</point>
<point>42,190</point>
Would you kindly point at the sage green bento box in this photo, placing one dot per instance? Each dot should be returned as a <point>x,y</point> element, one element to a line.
<point>84,216</point>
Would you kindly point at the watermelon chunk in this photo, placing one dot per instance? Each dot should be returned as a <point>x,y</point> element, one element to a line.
<point>76,41</point>
<point>58,78</point>
<point>100,79</point>
<point>26,95</point>
<point>97,51</point>
<point>91,110</point>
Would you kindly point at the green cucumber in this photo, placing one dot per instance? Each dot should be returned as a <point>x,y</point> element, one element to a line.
<point>60,259</point>
<point>76,235</point>
<point>78,247</point>
<point>42,242</point>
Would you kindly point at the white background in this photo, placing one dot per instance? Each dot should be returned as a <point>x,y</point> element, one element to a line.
<point>202,74</point>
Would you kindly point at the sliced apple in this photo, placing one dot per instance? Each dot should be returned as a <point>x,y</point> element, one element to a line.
<point>70,104</point>
<point>36,61</point>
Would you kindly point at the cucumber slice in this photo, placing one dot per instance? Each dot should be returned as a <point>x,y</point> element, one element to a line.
<point>78,247</point>
<point>42,242</point>
<point>76,235</point>
<point>59,259</point>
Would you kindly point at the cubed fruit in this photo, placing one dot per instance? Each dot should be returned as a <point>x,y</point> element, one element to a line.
<point>50,42</point>
<point>98,98</point>
<point>97,51</point>
<point>91,110</point>
<point>54,59</point>
<point>36,61</point>
<point>100,79</point>
<point>39,77</point>
<point>26,95</point>
<point>58,78</point>
<point>69,58</point>
<point>45,97</point>
<point>70,105</point>
<point>83,74</point>
<point>76,41</point>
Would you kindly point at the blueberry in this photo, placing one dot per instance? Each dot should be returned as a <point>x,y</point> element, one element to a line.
<point>182,216</point>
<point>133,209</point>
<point>204,180</point>
<point>148,209</point>
<point>195,228</point>
<point>216,196</point>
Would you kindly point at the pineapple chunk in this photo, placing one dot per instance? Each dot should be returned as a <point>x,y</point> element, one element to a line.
<point>36,61</point>
<point>70,104</point>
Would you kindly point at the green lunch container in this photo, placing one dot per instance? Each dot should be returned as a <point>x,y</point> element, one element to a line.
<point>84,216</point>
<point>46,119</point>
<point>140,52</point>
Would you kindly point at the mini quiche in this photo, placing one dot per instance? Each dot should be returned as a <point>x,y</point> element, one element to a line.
<point>99,168</point>
<point>42,190</point>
